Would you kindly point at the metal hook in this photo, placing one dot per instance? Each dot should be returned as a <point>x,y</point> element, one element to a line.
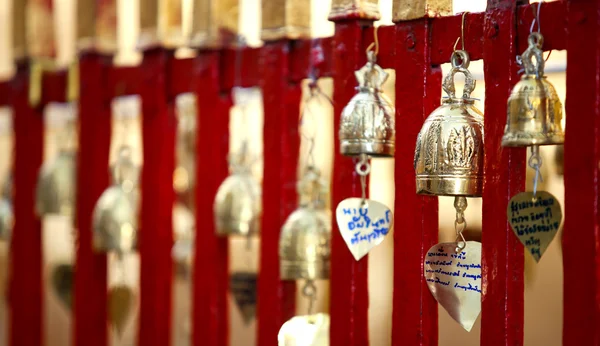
<point>310,291</point>
<point>374,44</point>
<point>536,17</point>
<point>363,168</point>
<point>535,162</point>
<point>460,223</point>
<point>462,33</point>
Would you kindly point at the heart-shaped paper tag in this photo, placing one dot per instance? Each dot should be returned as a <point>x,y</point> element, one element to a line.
<point>243,287</point>
<point>454,279</point>
<point>62,283</point>
<point>120,305</point>
<point>363,224</point>
<point>310,330</point>
<point>535,221</point>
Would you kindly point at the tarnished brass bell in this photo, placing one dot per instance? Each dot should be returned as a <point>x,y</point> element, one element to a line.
<point>449,150</point>
<point>304,242</point>
<point>237,205</point>
<point>367,122</point>
<point>55,191</point>
<point>534,109</point>
<point>115,218</point>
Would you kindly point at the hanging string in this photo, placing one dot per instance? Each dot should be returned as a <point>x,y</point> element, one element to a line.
<point>460,223</point>
<point>536,18</point>
<point>535,162</point>
<point>461,38</point>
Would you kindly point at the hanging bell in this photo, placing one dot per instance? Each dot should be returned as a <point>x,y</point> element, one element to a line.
<point>367,122</point>
<point>184,229</point>
<point>304,242</point>
<point>115,214</point>
<point>237,205</point>
<point>534,109</point>
<point>55,191</point>
<point>449,151</point>
<point>6,211</point>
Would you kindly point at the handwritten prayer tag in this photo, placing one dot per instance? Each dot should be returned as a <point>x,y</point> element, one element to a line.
<point>454,279</point>
<point>535,221</point>
<point>363,225</point>
<point>243,287</point>
<point>309,330</point>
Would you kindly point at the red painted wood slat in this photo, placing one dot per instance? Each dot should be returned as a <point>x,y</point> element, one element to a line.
<point>211,278</point>
<point>581,232</point>
<point>94,112</point>
<point>502,253</point>
<point>25,286</point>
<point>281,143</point>
<point>349,302</point>
<point>155,236</point>
<point>414,320</point>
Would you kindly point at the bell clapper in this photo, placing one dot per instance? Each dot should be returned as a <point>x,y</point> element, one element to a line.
<point>535,162</point>
<point>309,291</point>
<point>363,168</point>
<point>460,223</point>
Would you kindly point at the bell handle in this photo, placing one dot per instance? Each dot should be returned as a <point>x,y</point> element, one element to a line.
<point>449,87</point>
<point>531,66</point>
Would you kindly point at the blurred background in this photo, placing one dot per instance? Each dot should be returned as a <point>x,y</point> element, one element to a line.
<point>543,281</point>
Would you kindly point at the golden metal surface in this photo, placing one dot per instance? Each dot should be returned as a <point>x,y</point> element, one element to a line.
<point>40,29</point>
<point>367,124</point>
<point>449,150</point>
<point>285,19</point>
<point>414,9</point>
<point>534,109</point>
<point>19,28</point>
<point>363,9</point>
<point>215,23</point>
<point>237,205</point>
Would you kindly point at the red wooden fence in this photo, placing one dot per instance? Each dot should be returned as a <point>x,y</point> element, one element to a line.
<point>415,49</point>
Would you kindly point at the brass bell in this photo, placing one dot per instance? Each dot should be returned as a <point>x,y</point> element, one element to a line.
<point>237,205</point>
<point>55,190</point>
<point>367,121</point>
<point>115,217</point>
<point>304,248</point>
<point>184,229</point>
<point>534,109</point>
<point>449,151</point>
<point>6,211</point>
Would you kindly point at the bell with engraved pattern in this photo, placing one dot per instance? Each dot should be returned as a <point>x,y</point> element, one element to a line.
<point>115,217</point>
<point>367,121</point>
<point>449,151</point>
<point>237,205</point>
<point>534,109</point>
<point>304,244</point>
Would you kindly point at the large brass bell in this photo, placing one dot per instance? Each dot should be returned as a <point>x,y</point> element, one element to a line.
<point>237,205</point>
<point>304,242</point>
<point>115,218</point>
<point>534,109</point>
<point>55,191</point>
<point>367,122</point>
<point>449,151</point>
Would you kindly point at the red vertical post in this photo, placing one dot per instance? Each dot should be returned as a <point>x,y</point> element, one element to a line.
<point>25,286</point>
<point>504,168</point>
<point>94,113</point>
<point>281,142</point>
<point>348,280</point>
<point>581,232</point>
<point>155,237</point>
<point>211,266</point>
<point>414,320</point>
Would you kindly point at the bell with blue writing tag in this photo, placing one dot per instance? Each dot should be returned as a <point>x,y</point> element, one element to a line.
<point>304,243</point>
<point>237,205</point>
<point>367,122</point>
<point>534,109</point>
<point>449,150</point>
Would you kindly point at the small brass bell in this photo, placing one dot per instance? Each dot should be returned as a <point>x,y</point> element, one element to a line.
<point>534,109</point>
<point>367,122</point>
<point>449,150</point>
<point>115,214</point>
<point>6,211</point>
<point>304,242</point>
<point>237,205</point>
<point>55,191</point>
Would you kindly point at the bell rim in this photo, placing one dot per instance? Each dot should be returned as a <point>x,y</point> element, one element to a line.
<point>373,148</point>
<point>517,142</point>
<point>299,269</point>
<point>451,185</point>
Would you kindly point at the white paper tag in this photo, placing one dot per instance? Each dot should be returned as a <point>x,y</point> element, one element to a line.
<point>454,279</point>
<point>309,330</point>
<point>363,225</point>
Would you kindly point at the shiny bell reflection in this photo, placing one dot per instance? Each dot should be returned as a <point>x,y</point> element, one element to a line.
<point>237,205</point>
<point>534,109</point>
<point>367,122</point>
<point>304,245</point>
<point>449,151</point>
